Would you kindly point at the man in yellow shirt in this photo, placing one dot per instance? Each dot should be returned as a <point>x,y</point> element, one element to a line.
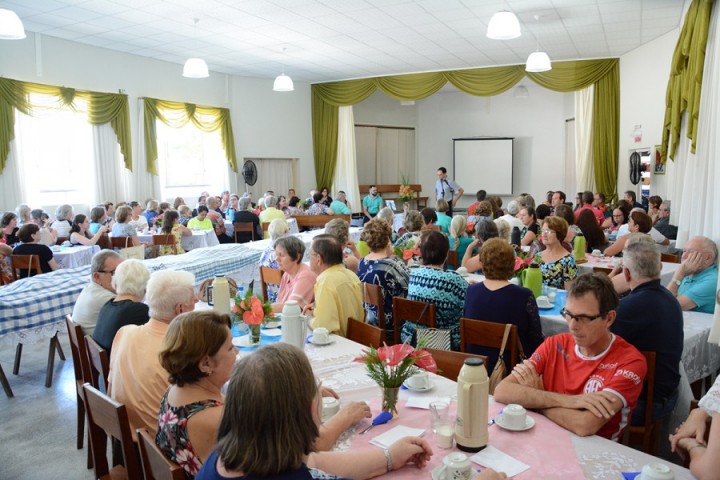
<point>270,213</point>
<point>201,222</point>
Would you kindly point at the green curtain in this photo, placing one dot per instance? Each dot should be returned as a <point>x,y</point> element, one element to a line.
<point>564,77</point>
<point>177,115</point>
<point>686,74</point>
<point>101,108</point>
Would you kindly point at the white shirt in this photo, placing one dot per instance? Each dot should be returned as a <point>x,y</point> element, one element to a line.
<point>656,236</point>
<point>140,224</point>
<point>512,221</point>
<point>88,305</point>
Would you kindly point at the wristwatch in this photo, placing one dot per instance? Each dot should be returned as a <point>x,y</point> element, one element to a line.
<point>677,282</point>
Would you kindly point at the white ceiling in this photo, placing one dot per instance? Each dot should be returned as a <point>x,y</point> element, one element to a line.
<point>340,39</point>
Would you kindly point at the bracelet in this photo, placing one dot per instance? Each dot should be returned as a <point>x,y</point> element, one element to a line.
<point>388,459</point>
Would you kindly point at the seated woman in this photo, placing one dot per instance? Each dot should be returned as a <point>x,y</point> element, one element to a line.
<point>198,355</point>
<point>381,267</point>
<point>318,208</point>
<point>443,220</point>
<point>98,218</point>
<point>298,281</point>
<point>565,212</point>
<point>79,234</point>
<point>123,227</point>
<point>273,391</point>
<point>485,229</point>
<point>497,300</point>
<point>620,216</point>
<point>48,236</point>
<point>413,225</point>
<point>127,308</point>
<point>201,222</point>
<point>9,228</point>
<point>63,220</point>
<point>340,229</point>
<point>29,235</point>
<point>185,214</point>
<point>5,271</point>
<point>530,230</point>
<point>594,236</point>
<point>277,229</point>
<point>459,239</point>
<point>137,219</point>
<point>293,208</point>
<point>558,265</point>
<point>430,283</point>
<point>429,219</point>
<point>639,222</point>
<point>482,210</point>
<point>151,212</point>
<point>388,215</point>
<point>326,199</point>
<point>171,226</point>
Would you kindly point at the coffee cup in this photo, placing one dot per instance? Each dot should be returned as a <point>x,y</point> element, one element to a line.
<point>419,380</point>
<point>543,301</point>
<point>330,406</point>
<point>462,271</point>
<point>321,335</point>
<point>656,471</point>
<point>552,294</point>
<point>596,253</point>
<point>456,466</point>
<point>514,416</point>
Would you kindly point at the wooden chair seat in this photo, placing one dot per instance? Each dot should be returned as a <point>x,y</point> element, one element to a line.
<point>272,276</point>
<point>373,295</point>
<point>364,333</point>
<point>164,240</point>
<point>670,258</point>
<point>412,311</point>
<point>155,465</point>
<point>315,221</point>
<point>449,363</point>
<point>98,363</point>
<point>452,259</point>
<point>648,433</point>
<point>121,242</point>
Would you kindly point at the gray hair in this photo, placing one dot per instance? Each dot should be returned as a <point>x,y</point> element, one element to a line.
<point>414,222</point>
<point>63,211</point>
<point>37,214</point>
<point>513,208</point>
<point>244,203</point>
<point>338,228</point>
<point>99,259</point>
<point>166,289</point>
<point>641,256</point>
<point>270,201</point>
<point>485,229</point>
<point>278,228</point>
<point>131,278</point>
<point>388,215</point>
<point>503,229</point>
<point>294,247</point>
<point>23,212</point>
<point>709,246</point>
<point>666,203</point>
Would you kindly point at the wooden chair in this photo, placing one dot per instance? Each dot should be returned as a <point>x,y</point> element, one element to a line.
<point>244,227</point>
<point>269,276</point>
<point>373,295</point>
<point>121,242</point>
<point>670,258</point>
<point>605,270</point>
<point>452,259</point>
<point>449,363</point>
<point>315,221</point>
<point>29,264</point>
<point>61,240</point>
<point>5,384</point>
<point>167,240</point>
<point>108,417</point>
<point>155,465</point>
<point>489,334</point>
<point>648,433</point>
<point>364,333</point>
<point>98,363</point>
<point>82,375</point>
<point>104,241</point>
<point>265,226</point>
<point>404,310</point>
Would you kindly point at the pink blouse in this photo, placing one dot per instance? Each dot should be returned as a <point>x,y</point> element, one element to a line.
<point>299,288</point>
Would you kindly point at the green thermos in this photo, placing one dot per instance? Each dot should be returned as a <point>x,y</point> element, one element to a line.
<point>532,279</point>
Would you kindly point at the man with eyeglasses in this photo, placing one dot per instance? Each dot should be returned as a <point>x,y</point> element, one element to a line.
<point>588,380</point>
<point>695,281</point>
<point>98,292</point>
<point>663,224</point>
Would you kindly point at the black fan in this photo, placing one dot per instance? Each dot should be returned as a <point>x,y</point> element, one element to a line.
<point>249,172</point>
<point>635,173</point>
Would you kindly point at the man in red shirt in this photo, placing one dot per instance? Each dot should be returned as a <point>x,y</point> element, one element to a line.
<point>587,200</point>
<point>587,381</point>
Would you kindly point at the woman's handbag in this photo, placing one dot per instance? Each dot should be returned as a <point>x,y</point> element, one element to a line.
<point>500,370</point>
<point>437,338</point>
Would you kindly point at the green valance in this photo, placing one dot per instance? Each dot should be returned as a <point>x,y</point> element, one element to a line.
<point>101,108</point>
<point>686,74</point>
<point>564,77</point>
<point>177,115</point>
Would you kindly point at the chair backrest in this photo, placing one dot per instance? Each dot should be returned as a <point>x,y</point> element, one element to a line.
<point>81,365</point>
<point>488,334</point>
<point>29,264</point>
<point>244,227</point>
<point>121,242</point>
<point>605,270</point>
<point>104,241</point>
<point>155,465</point>
<point>373,295</point>
<point>413,311</point>
<point>164,239</point>
<point>98,361</point>
<point>452,259</point>
<point>449,363</point>
<point>364,333</point>
<point>649,388</point>
<point>269,276</point>
<point>265,226</point>
<point>670,258</point>
<point>108,417</point>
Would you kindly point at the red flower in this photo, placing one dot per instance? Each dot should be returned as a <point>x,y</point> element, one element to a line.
<point>407,254</point>
<point>255,315</point>
<point>519,263</point>
<point>395,354</point>
<point>424,360</point>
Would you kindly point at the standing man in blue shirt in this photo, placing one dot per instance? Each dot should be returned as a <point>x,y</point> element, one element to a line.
<point>372,204</point>
<point>447,189</point>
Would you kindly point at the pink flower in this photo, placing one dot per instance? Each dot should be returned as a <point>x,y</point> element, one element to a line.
<point>235,309</point>
<point>395,354</point>
<point>407,254</point>
<point>519,263</point>
<point>187,460</point>
<point>168,418</point>
<point>424,360</point>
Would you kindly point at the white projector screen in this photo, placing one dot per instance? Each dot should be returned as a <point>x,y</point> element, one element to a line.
<point>484,163</point>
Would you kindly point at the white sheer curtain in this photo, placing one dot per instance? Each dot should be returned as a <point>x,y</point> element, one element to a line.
<point>275,174</point>
<point>346,176</point>
<point>109,165</point>
<point>570,158</point>
<point>141,184</point>
<point>583,139</point>
<point>395,154</point>
<point>12,191</point>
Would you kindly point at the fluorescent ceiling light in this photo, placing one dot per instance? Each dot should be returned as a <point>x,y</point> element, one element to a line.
<point>503,26</point>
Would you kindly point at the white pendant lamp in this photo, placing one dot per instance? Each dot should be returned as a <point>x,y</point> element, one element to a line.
<point>503,25</point>
<point>11,28</point>
<point>195,67</point>
<point>538,61</point>
<point>283,83</point>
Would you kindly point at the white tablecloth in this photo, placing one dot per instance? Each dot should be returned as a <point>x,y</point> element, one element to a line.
<point>198,239</point>
<point>75,256</point>
<point>666,274</point>
<point>292,225</point>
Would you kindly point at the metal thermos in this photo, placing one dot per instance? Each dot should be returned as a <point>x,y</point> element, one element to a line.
<point>515,236</point>
<point>471,428</point>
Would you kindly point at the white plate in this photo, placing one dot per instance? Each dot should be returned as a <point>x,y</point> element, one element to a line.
<point>272,332</point>
<point>529,423</point>
<point>597,255</point>
<point>321,344</point>
<point>436,473</point>
<point>546,307</point>
<point>243,341</point>
<point>271,325</point>
<point>420,389</point>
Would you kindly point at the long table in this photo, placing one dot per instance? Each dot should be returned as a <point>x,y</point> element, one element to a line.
<point>666,274</point>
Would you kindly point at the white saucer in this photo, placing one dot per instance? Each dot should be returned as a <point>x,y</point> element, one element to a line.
<point>464,274</point>
<point>272,324</point>
<point>321,344</point>
<point>546,307</point>
<point>243,341</point>
<point>597,255</point>
<point>421,389</point>
<point>436,473</point>
<point>529,423</point>
<point>272,332</point>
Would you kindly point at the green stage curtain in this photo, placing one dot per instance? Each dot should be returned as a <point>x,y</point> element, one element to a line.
<point>177,115</point>
<point>686,74</point>
<point>564,77</point>
<point>102,108</point>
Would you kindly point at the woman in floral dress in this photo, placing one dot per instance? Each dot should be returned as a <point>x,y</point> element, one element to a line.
<point>558,265</point>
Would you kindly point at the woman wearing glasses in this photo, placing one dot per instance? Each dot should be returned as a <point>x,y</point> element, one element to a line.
<point>558,265</point>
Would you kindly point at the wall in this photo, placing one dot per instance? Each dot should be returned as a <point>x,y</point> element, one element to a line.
<point>265,123</point>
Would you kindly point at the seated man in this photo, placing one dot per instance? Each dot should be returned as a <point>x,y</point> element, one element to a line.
<point>271,212</point>
<point>588,380</point>
<point>98,292</point>
<point>663,224</point>
<point>695,281</point>
<point>340,205</point>
<point>338,292</point>
<point>136,378</point>
<point>245,215</point>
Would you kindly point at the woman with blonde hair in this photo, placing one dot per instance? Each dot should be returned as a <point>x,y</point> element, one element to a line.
<point>340,229</point>
<point>459,239</point>
<point>151,212</point>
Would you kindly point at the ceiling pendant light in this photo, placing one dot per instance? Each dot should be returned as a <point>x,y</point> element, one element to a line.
<point>503,25</point>
<point>538,61</point>
<point>11,28</point>
<point>195,67</point>
<point>283,83</point>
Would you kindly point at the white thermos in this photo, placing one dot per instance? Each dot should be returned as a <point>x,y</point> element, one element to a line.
<point>471,428</point>
<point>294,327</point>
<point>218,295</point>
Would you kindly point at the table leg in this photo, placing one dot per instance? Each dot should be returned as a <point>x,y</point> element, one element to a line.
<point>5,383</point>
<point>51,362</point>
<point>18,354</point>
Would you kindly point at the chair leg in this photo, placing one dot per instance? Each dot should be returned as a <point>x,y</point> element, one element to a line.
<point>51,362</point>
<point>18,353</point>
<point>5,383</point>
<point>58,345</point>
<point>80,423</point>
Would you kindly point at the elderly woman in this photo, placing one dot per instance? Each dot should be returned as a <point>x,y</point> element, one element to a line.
<point>79,234</point>
<point>185,214</point>
<point>63,220</point>
<point>48,236</point>
<point>277,229</point>
<point>273,391</point>
<point>381,267</point>
<point>459,240</point>
<point>558,265</point>
<point>443,220</point>
<point>340,229</point>
<point>23,213</point>
<point>127,308</point>
<point>214,211</point>
<point>639,222</point>
<point>9,228</point>
<point>413,225</point>
<point>594,236</point>
<point>298,281</point>
<point>485,229</point>
<point>483,209</point>
<point>497,300</point>
<point>172,226</point>
<point>123,227</point>
<point>294,207</point>
<point>199,356</point>
<point>29,235</point>
<point>530,229</point>
<point>654,203</point>
<point>151,211</point>
<point>430,283</point>
<point>388,215</point>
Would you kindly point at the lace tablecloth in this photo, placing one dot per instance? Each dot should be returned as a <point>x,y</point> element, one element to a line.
<point>198,239</point>
<point>76,256</point>
<point>292,225</point>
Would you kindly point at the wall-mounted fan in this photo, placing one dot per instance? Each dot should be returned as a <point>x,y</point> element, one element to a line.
<point>635,168</point>
<point>249,172</point>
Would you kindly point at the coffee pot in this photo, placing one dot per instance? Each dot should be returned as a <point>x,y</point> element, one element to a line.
<point>471,428</point>
<point>294,324</point>
<point>218,295</point>
<point>532,279</point>
<point>579,245</point>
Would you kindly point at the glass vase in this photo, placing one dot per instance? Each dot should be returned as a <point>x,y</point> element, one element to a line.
<point>254,335</point>
<point>390,398</point>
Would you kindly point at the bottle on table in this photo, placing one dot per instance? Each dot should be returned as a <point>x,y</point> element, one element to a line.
<point>471,428</point>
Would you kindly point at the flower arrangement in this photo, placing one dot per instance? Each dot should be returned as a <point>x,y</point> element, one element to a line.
<point>390,366</point>
<point>407,249</point>
<point>406,193</point>
<point>253,312</point>
<point>524,259</point>
<point>159,220</point>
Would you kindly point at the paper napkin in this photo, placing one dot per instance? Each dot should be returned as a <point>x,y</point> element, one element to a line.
<point>424,402</point>
<point>501,462</point>
<point>386,439</point>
